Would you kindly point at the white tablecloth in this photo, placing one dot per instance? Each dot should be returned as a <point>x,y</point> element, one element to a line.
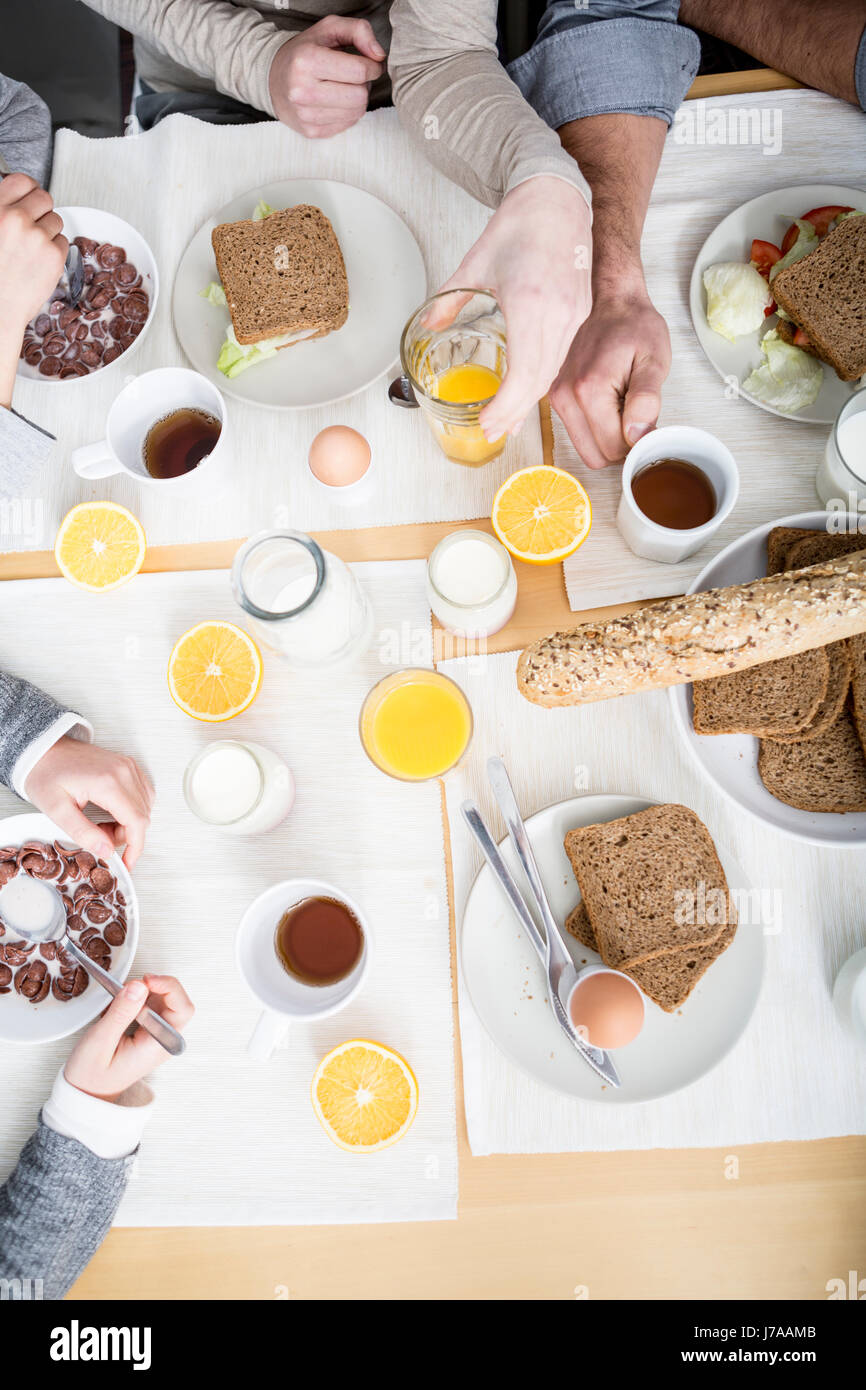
<point>795,1073</point>
<point>167,182</point>
<point>234,1141</point>
<point>822,141</point>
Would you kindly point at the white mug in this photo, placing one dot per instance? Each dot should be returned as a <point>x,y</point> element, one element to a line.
<point>144,400</point>
<point>646,538</point>
<point>284,998</point>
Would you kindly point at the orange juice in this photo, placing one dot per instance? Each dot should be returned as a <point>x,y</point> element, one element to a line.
<point>416,724</point>
<point>466,384</point>
<point>462,437</point>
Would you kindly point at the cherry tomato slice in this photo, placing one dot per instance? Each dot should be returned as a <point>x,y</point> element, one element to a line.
<point>764,255</point>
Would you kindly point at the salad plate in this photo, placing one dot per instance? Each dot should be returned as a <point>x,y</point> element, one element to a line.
<point>767,219</point>
<point>387,282</point>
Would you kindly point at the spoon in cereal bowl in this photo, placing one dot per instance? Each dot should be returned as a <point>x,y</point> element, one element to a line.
<point>33,909</point>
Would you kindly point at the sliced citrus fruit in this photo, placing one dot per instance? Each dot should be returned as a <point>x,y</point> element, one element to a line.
<point>214,671</point>
<point>541,514</point>
<point>365,1096</point>
<point>99,546</point>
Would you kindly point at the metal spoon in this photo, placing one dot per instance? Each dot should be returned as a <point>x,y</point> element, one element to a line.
<point>400,393</point>
<point>57,930</point>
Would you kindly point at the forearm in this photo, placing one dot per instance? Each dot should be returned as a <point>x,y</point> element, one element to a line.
<point>619,156</point>
<point>816,43</point>
<point>456,100</point>
<point>56,1209</point>
<point>232,45</point>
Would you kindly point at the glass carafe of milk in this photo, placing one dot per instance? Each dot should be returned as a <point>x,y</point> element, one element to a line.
<point>302,601</point>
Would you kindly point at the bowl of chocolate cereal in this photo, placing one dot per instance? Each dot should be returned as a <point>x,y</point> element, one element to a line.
<point>44,993</point>
<point>68,342</point>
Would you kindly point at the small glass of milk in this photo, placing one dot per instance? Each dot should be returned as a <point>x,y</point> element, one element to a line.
<point>471,583</point>
<point>842,471</point>
<point>243,788</point>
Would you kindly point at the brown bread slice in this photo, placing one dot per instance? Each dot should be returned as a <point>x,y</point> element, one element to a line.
<point>630,872</point>
<point>284,274</point>
<point>819,546</point>
<point>825,294</point>
<point>779,541</point>
<point>833,702</point>
<point>669,979</point>
<point>826,774</point>
<point>857,654</point>
<point>778,697</point>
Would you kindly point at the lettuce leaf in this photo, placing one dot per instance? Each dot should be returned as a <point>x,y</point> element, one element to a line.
<point>789,380</point>
<point>262,210</point>
<point>215,294</point>
<point>807,240</point>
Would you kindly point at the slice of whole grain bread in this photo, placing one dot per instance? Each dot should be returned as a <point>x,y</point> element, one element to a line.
<point>777,697</point>
<point>857,654</point>
<point>818,546</point>
<point>826,774</point>
<point>284,274</point>
<point>825,294</point>
<point>831,706</point>
<point>643,879</point>
<point>779,541</point>
<point>668,979</point>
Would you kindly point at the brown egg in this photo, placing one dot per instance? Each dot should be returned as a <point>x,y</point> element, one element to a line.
<point>339,456</point>
<point>609,1006</point>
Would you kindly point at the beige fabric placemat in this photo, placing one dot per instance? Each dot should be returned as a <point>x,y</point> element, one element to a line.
<point>235,1141</point>
<point>795,1073</point>
<point>822,140</point>
<point>166,183</point>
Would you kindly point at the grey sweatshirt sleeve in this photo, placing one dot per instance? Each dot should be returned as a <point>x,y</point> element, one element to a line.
<point>56,1209</point>
<point>30,723</point>
<point>24,448</point>
<point>25,131</point>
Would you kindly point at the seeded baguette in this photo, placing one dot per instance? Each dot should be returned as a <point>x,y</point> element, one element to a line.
<point>698,636</point>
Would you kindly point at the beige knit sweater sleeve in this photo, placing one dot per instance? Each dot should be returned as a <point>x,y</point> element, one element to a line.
<point>458,102</point>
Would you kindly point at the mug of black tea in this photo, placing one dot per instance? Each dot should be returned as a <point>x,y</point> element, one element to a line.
<point>679,485</point>
<point>166,429</point>
<point>303,950</point>
<point>177,443</point>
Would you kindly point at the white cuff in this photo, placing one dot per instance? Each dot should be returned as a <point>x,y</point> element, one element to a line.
<point>110,1129</point>
<point>67,723</point>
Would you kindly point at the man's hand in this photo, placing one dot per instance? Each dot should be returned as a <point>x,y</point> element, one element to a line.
<point>608,392</point>
<point>534,257</point>
<point>316,88</point>
<point>73,773</point>
<point>107,1060</point>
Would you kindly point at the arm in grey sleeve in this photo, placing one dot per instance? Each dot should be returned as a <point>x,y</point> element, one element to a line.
<point>56,1209</point>
<point>25,131</point>
<point>457,101</point>
<point>605,57</point>
<point>30,722</point>
<point>24,448</point>
<point>233,45</point>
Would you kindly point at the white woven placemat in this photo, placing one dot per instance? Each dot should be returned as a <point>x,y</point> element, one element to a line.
<point>822,140</point>
<point>795,1073</point>
<point>167,182</point>
<point>233,1141</point>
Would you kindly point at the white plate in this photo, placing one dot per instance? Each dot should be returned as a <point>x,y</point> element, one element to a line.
<point>767,217</point>
<point>23,1022</point>
<point>105,226</point>
<point>387,282</point>
<point>508,990</point>
<point>731,760</point>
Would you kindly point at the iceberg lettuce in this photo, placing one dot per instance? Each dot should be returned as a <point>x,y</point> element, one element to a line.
<point>736,298</point>
<point>789,380</point>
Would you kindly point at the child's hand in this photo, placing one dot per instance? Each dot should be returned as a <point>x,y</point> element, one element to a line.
<point>71,773</point>
<point>107,1061</point>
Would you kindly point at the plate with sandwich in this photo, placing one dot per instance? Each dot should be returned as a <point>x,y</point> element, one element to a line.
<point>641,888</point>
<point>786,739</point>
<point>778,299</point>
<point>295,293</point>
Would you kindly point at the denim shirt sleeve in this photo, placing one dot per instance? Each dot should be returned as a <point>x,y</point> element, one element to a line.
<point>597,57</point>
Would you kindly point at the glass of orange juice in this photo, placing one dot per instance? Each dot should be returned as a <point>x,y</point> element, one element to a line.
<point>415,724</point>
<point>453,352</point>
